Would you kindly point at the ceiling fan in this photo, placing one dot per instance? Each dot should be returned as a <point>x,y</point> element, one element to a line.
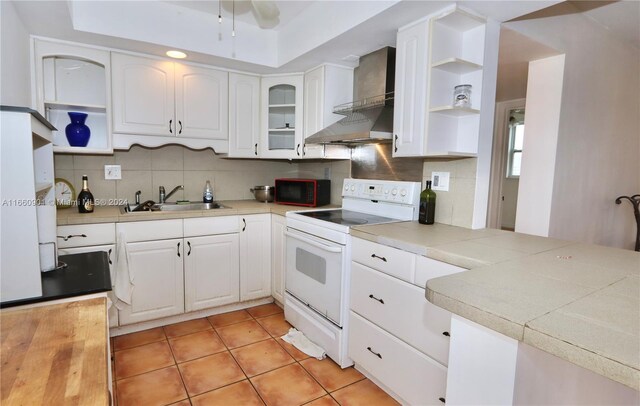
<point>265,12</point>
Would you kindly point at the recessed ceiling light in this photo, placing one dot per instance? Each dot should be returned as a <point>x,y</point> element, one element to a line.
<point>176,54</point>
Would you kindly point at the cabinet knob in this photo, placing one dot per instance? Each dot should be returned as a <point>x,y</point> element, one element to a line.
<point>446,333</point>
<point>443,400</point>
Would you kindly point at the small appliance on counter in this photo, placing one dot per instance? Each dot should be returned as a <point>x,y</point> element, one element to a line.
<point>303,192</point>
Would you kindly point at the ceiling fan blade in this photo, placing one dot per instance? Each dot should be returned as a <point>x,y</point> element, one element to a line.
<point>266,13</point>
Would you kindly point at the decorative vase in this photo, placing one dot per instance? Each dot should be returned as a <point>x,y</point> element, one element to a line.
<point>77,131</point>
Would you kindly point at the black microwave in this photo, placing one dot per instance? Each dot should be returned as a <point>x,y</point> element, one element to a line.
<point>303,192</point>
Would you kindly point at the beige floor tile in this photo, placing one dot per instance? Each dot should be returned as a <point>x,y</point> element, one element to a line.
<point>186,327</point>
<point>261,357</point>
<point>238,394</point>
<point>330,375</point>
<point>323,401</point>
<point>226,319</point>
<point>145,358</point>
<point>160,387</point>
<point>247,332</point>
<point>287,386</point>
<point>209,373</point>
<point>140,338</point>
<point>196,345</point>
<point>275,324</point>
<point>293,351</point>
<point>182,403</point>
<point>264,310</point>
<point>364,393</point>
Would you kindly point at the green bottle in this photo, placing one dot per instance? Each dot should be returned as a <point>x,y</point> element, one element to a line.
<point>427,205</point>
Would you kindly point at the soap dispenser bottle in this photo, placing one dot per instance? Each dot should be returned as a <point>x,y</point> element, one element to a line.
<point>207,195</point>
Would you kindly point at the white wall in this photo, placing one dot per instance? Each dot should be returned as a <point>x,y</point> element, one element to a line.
<point>15,79</point>
<point>598,148</point>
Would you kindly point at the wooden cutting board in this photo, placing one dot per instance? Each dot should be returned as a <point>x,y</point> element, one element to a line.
<point>55,355</point>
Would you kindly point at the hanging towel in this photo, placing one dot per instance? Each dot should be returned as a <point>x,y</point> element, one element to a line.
<point>301,342</point>
<point>123,284</point>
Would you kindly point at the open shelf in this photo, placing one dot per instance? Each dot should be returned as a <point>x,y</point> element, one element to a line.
<point>456,65</point>
<point>271,106</point>
<point>282,129</point>
<point>454,111</point>
<point>75,107</point>
<point>460,21</point>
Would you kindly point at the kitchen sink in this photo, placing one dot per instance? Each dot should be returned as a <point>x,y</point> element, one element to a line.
<point>174,207</point>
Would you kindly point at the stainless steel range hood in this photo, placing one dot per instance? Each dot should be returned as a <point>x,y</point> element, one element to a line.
<point>370,117</point>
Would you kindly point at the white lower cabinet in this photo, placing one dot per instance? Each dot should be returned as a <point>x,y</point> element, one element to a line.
<point>156,267</point>
<point>255,256</point>
<point>278,256</point>
<point>415,377</point>
<point>211,275</point>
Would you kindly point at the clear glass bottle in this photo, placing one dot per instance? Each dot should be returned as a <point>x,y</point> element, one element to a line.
<point>85,197</point>
<point>207,194</point>
<point>427,205</point>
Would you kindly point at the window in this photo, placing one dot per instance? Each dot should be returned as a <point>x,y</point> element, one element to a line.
<point>516,140</point>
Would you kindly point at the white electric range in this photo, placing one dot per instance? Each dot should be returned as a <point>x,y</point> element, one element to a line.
<point>318,259</point>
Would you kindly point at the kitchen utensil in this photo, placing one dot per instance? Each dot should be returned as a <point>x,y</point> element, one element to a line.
<point>263,193</point>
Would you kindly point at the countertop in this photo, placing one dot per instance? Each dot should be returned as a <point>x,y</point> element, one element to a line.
<point>111,214</point>
<point>55,355</point>
<point>84,274</point>
<point>577,301</point>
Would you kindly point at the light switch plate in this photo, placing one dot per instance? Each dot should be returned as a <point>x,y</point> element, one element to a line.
<point>112,172</point>
<point>440,181</point>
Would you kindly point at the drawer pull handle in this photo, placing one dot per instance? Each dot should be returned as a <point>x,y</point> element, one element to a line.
<point>379,300</point>
<point>67,238</point>
<point>178,250</point>
<point>189,244</point>
<point>374,353</point>
<point>110,263</point>
<point>382,258</point>
<point>442,400</point>
<point>446,333</point>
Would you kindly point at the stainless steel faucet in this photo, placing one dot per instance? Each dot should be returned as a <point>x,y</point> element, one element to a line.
<point>162,197</point>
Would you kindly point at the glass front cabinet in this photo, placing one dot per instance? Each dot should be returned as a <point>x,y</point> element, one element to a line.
<point>281,101</point>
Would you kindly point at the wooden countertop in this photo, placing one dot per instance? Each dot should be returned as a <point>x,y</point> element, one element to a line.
<point>55,355</point>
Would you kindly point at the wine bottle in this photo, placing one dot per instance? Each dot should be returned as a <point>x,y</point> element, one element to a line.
<point>85,197</point>
<point>427,205</point>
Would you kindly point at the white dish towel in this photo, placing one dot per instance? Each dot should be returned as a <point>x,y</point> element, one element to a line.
<point>301,342</point>
<point>123,285</point>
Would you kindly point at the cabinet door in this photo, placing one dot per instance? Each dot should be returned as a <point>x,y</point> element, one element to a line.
<point>143,95</point>
<point>110,249</point>
<point>278,255</point>
<point>255,256</point>
<point>410,110</point>
<point>156,267</point>
<point>281,119</point>
<point>201,102</point>
<point>211,271</point>
<point>313,110</point>
<point>244,115</point>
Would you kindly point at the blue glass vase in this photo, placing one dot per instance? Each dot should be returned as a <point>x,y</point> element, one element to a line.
<point>77,131</point>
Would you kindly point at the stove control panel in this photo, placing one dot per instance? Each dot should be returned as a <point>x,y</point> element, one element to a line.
<point>382,190</point>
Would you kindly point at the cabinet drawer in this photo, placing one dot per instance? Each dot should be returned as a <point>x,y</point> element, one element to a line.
<point>389,260</point>
<point>427,268</point>
<point>86,234</point>
<point>413,376</point>
<point>401,309</point>
<point>150,230</point>
<point>196,227</point>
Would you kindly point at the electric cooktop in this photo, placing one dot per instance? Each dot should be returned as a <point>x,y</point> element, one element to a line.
<point>347,217</point>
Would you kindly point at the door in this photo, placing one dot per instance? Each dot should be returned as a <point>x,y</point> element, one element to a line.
<point>201,102</point>
<point>314,268</point>
<point>143,95</point>
<point>255,256</point>
<point>409,114</point>
<point>278,256</point>
<point>156,268</point>
<point>211,276</point>
<point>313,110</point>
<point>110,249</point>
<point>244,115</point>
<point>282,117</point>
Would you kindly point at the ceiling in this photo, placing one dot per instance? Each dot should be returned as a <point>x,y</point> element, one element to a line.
<point>308,32</point>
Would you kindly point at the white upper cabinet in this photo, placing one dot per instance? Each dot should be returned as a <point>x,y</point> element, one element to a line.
<point>427,122</point>
<point>201,102</point>
<point>244,115</point>
<point>324,87</point>
<point>72,78</point>
<point>154,99</point>
<point>281,119</point>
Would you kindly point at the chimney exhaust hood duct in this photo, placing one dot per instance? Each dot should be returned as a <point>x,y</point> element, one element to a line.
<point>370,117</point>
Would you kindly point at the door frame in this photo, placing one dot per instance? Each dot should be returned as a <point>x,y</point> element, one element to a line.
<point>499,159</point>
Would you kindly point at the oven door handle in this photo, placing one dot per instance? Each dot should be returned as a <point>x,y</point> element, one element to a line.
<point>309,241</point>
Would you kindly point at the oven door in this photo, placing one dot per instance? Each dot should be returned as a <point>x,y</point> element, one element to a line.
<point>314,273</point>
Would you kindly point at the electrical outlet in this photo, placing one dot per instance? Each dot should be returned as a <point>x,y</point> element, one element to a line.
<point>440,181</point>
<point>112,172</point>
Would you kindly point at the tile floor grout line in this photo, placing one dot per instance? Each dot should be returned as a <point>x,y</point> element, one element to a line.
<point>184,385</point>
